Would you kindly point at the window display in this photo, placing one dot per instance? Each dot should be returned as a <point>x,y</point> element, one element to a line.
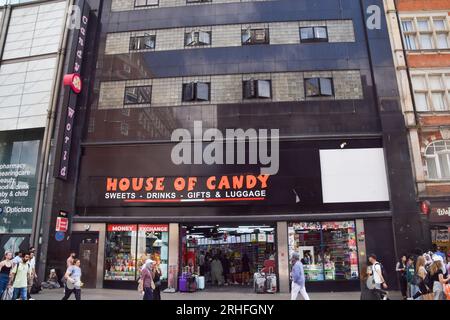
<point>153,243</point>
<point>327,249</point>
<point>129,245</point>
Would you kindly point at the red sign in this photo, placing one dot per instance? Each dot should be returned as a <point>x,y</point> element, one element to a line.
<point>121,227</point>
<point>62,224</point>
<point>73,80</point>
<point>154,227</point>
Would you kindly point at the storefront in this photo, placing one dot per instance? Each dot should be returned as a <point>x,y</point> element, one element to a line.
<point>439,219</point>
<point>19,156</point>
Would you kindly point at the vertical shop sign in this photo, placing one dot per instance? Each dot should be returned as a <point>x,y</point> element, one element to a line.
<point>73,86</point>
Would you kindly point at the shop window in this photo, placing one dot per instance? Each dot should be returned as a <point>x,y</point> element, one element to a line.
<point>327,249</point>
<point>128,246</point>
<point>255,36</point>
<point>138,95</point>
<point>425,33</point>
<point>197,38</point>
<point>319,87</point>
<point>142,42</point>
<point>146,3</point>
<point>437,155</point>
<point>257,89</point>
<point>196,91</point>
<point>314,34</point>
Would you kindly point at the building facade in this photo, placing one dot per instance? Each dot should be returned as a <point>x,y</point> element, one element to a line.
<point>31,42</point>
<point>420,38</point>
<point>318,72</point>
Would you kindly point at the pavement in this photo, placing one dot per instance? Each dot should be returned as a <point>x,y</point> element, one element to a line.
<point>208,294</point>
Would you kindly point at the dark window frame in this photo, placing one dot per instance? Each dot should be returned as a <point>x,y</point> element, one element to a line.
<point>134,38</point>
<point>252,40</point>
<point>314,38</point>
<point>125,103</point>
<point>197,43</point>
<point>146,4</point>
<point>183,88</point>
<point>305,80</point>
<point>256,96</point>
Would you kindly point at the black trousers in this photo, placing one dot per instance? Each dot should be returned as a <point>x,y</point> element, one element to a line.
<point>157,293</point>
<point>403,286</point>
<point>68,293</point>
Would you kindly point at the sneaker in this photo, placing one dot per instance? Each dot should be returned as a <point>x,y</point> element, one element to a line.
<point>31,299</point>
<point>409,298</point>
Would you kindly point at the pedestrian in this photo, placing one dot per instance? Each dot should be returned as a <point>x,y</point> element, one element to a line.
<point>52,281</point>
<point>17,258</point>
<point>376,271</point>
<point>70,259</point>
<point>440,253</point>
<point>32,275</point>
<point>201,262</point>
<point>226,268</point>
<point>73,280</point>
<point>147,280</point>
<point>367,292</point>
<point>421,275</point>
<point>216,271</point>
<point>410,271</point>
<point>245,269</point>
<point>298,278</point>
<point>157,273</point>
<point>401,272</point>
<point>5,268</point>
<point>438,278</point>
<point>19,278</point>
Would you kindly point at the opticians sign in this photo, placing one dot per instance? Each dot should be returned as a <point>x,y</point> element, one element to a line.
<point>73,86</point>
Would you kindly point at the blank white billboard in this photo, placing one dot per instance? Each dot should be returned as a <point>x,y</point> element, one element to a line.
<point>353,175</point>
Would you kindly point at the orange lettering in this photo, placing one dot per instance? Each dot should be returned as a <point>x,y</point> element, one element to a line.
<point>263,178</point>
<point>251,182</point>
<point>111,184</point>
<point>149,184</point>
<point>224,183</point>
<point>191,183</point>
<point>238,182</point>
<point>159,184</point>
<point>179,183</point>
<point>124,184</point>
<point>137,183</point>
<point>211,183</point>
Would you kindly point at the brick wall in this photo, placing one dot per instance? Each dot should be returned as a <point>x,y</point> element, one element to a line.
<point>228,88</point>
<point>230,35</point>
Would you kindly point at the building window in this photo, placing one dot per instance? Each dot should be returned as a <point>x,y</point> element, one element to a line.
<point>425,33</point>
<point>255,36</point>
<point>197,1</point>
<point>197,38</point>
<point>314,34</point>
<point>431,92</point>
<point>257,89</point>
<point>142,42</point>
<point>319,87</point>
<point>146,3</point>
<point>196,91</point>
<point>138,95</point>
<point>437,156</point>
<point>327,249</point>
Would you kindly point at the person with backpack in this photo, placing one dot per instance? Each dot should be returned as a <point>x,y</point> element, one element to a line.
<point>19,278</point>
<point>377,271</point>
<point>421,280</point>
<point>400,268</point>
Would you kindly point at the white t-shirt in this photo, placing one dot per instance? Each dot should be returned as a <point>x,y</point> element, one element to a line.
<point>377,273</point>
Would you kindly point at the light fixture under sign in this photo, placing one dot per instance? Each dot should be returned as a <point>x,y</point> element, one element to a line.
<point>73,80</point>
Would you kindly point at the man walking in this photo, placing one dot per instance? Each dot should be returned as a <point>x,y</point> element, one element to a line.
<point>19,278</point>
<point>378,277</point>
<point>32,274</point>
<point>73,281</point>
<point>298,278</point>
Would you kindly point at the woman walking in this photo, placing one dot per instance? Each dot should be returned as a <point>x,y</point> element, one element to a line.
<point>147,280</point>
<point>157,280</point>
<point>437,279</point>
<point>401,272</point>
<point>73,280</point>
<point>5,268</point>
<point>420,276</point>
<point>367,287</point>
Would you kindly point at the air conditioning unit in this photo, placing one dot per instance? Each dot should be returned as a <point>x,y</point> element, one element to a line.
<point>249,89</point>
<point>260,35</point>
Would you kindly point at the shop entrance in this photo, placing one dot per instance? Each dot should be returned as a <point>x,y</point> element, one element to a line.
<point>85,245</point>
<point>226,257</point>
<point>440,237</point>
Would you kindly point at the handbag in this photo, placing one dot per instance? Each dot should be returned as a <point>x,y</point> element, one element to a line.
<point>447,291</point>
<point>7,294</point>
<point>428,296</point>
<point>140,285</point>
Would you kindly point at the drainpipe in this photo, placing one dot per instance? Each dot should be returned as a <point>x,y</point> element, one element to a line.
<point>47,139</point>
